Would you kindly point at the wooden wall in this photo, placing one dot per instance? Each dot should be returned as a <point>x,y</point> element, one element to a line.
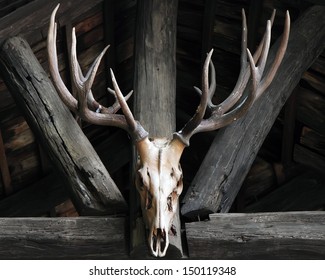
<point>293,152</point>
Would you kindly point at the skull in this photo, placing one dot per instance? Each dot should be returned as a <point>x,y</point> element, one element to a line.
<point>159,183</point>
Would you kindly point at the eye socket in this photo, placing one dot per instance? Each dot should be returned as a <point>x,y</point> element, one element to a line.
<point>172,173</point>
<point>148,200</point>
<point>139,181</point>
<point>180,181</point>
<point>169,203</point>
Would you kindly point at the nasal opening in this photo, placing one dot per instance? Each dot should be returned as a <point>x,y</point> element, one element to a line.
<point>159,242</point>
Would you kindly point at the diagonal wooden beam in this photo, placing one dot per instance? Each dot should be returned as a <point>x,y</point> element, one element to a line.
<point>91,188</point>
<point>232,152</point>
<point>40,197</point>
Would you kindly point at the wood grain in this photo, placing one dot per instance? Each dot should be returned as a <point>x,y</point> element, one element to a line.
<point>290,235</point>
<point>91,187</point>
<point>155,93</point>
<point>62,238</point>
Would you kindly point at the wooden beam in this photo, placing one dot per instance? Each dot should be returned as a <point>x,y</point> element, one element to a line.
<point>232,152</point>
<point>36,199</point>
<point>4,169</point>
<point>310,109</point>
<point>40,197</point>
<point>155,97</point>
<point>309,158</point>
<point>31,20</point>
<point>62,238</point>
<point>92,189</point>
<point>155,67</point>
<point>306,192</point>
<point>289,235</point>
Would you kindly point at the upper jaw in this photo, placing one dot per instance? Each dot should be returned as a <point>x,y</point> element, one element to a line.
<point>158,242</point>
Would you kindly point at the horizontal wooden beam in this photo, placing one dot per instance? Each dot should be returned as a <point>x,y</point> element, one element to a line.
<point>63,238</point>
<point>283,235</point>
<point>232,152</point>
<point>31,20</point>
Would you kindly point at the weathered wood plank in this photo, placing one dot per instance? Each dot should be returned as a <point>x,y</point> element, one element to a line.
<point>32,19</point>
<point>155,93</point>
<point>92,189</point>
<point>311,139</point>
<point>42,196</point>
<point>309,158</point>
<point>290,235</point>
<point>35,200</point>
<point>62,238</point>
<point>305,192</point>
<point>155,67</point>
<point>232,152</point>
<point>311,109</point>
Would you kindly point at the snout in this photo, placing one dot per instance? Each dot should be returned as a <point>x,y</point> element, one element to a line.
<point>158,242</point>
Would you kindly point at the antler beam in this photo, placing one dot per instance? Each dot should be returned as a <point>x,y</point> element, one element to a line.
<point>84,104</point>
<point>237,104</point>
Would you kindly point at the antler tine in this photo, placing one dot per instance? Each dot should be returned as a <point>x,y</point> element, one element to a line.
<point>187,131</point>
<point>278,57</point>
<point>92,103</point>
<point>243,78</point>
<point>262,60</point>
<point>116,106</point>
<point>217,121</point>
<point>61,88</point>
<point>125,108</point>
<point>212,86</point>
<point>83,83</point>
<point>244,73</point>
<point>258,51</point>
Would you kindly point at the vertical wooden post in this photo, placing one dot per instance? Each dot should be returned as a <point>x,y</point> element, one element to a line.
<point>155,66</point>
<point>155,92</point>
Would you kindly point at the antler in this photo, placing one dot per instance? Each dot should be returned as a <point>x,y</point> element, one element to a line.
<point>84,104</point>
<point>225,113</point>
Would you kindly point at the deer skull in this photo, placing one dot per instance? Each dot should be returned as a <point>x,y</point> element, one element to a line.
<point>159,176</point>
<point>159,183</point>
